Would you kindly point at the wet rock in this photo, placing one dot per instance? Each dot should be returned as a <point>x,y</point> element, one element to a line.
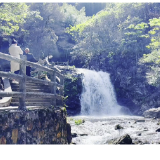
<point>158,130</point>
<point>74,135</point>
<point>73,144</point>
<point>152,133</point>
<point>140,120</point>
<point>145,129</point>
<point>146,142</point>
<point>117,127</point>
<point>152,113</point>
<point>139,134</point>
<point>158,123</point>
<point>138,142</point>
<point>69,136</point>
<point>126,139</point>
<point>1,84</point>
<point>83,134</point>
<point>73,90</point>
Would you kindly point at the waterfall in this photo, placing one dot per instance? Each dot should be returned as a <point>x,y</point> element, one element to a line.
<point>98,97</point>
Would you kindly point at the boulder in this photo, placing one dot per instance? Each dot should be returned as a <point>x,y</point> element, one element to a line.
<point>140,120</point>
<point>73,143</point>
<point>151,113</point>
<point>138,142</point>
<point>69,136</point>
<point>158,123</point>
<point>139,134</point>
<point>125,139</point>
<point>83,134</point>
<point>158,130</point>
<point>74,135</point>
<point>117,127</point>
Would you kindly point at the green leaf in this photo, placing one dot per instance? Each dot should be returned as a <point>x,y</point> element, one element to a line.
<point>152,32</point>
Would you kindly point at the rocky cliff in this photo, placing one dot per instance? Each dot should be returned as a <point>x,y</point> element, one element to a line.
<point>130,83</point>
<point>72,89</point>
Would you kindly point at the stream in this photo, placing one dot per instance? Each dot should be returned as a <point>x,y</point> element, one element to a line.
<point>100,113</point>
<point>101,130</point>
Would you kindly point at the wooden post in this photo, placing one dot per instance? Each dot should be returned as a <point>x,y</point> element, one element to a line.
<point>22,83</point>
<point>62,83</point>
<point>62,89</point>
<point>67,64</point>
<point>53,88</point>
<point>39,74</point>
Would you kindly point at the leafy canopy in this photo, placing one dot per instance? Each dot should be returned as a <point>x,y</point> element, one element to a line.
<point>11,15</point>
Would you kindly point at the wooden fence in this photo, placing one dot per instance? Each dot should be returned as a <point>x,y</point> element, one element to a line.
<point>22,78</point>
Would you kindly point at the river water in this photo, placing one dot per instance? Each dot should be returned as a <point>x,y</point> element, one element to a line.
<point>101,113</point>
<point>101,130</point>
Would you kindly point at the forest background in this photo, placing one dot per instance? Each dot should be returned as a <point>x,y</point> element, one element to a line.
<point>120,38</point>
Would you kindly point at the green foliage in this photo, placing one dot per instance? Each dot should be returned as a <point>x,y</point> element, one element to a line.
<point>154,22</point>
<point>121,32</point>
<point>153,57</point>
<point>117,29</point>
<point>72,16</point>
<point>72,67</point>
<point>70,76</point>
<point>64,109</point>
<point>40,35</point>
<point>152,60</point>
<point>52,106</point>
<point>65,98</point>
<point>88,23</point>
<point>141,26</point>
<point>69,119</point>
<point>11,16</point>
<point>154,34</point>
<point>91,8</point>
<point>79,121</point>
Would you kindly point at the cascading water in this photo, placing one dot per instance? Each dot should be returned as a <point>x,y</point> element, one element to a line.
<point>98,104</point>
<point>98,97</point>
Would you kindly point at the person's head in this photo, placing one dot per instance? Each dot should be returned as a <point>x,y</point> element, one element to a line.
<point>14,41</point>
<point>27,50</point>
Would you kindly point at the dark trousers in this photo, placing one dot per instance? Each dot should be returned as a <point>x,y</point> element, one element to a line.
<point>16,72</point>
<point>28,71</point>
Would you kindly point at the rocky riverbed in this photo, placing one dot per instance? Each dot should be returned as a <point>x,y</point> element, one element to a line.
<point>114,130</point>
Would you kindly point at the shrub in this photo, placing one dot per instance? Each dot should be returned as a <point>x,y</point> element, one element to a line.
<point>79,121</point>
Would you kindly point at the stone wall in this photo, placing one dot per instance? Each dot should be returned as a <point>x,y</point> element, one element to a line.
<point>39,126</point>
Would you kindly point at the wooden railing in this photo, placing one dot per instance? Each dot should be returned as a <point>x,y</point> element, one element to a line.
<point>22,78</point>
<point>62,63</point>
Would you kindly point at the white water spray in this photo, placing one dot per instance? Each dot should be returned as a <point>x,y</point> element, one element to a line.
<point>98,97</point>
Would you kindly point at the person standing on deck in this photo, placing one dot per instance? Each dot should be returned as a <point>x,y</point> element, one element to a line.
<point>15,51</point>
<point>30,58</point>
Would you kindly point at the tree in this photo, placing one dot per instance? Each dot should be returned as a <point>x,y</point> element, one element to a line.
<point>40,35</point>
<point>11,15</point>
